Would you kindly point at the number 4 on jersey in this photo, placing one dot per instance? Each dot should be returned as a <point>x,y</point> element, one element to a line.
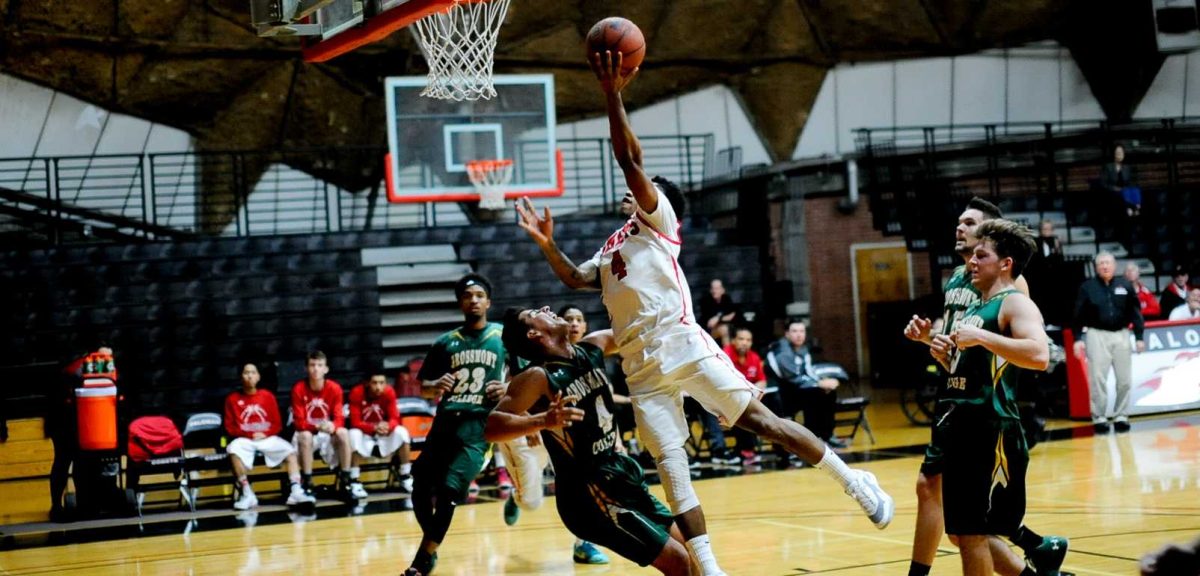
<point>618,266</point>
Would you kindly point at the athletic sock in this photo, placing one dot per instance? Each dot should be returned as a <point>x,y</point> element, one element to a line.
<point>918,569</point>
<point>354,472</point>
<point>296,480</point>
<point>306,481</point>
<point>701,550</point>
<point>406,469</point>
<point>833,465</point>
<point>1026,539</point>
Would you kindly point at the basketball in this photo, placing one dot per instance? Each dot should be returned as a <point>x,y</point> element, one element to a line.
<point>618,35</point>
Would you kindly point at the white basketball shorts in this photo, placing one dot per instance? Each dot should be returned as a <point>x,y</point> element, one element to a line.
<point>322,444</point>
<point>711,381</point>
<point>365,444</point>
<point>273,448</point>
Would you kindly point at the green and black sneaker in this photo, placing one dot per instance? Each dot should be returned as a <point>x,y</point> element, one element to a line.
<point>511,511</point>
<point>1048,557</point>
<point>422,565</point>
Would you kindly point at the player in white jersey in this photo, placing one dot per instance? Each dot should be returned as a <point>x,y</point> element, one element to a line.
<point>664,351</point>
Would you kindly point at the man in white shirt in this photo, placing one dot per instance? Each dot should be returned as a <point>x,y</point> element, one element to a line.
<point>664,351</point>
<point>1189,309</point>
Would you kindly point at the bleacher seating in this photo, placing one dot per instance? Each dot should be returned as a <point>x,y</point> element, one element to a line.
<point>181,314</point>
<point>1056,178</point>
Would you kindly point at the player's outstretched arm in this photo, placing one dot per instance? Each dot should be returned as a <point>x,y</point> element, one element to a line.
<point>1028,347</point>
<point>602,339</point>
<point>509,419</point>
<point>541,230</point>
<point>626,147</point>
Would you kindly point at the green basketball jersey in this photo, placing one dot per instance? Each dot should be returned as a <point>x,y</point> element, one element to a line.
<point>979,379</point>
<point>960,294</point>
<point>475,357</point>
<point>588,443</point>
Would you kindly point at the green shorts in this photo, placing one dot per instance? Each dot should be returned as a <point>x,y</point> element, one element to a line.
<point>453,454</point>
<point>983,482</point>
<point>611,506</point>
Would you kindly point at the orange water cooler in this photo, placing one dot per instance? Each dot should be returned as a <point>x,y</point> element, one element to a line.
<point>96,415</point>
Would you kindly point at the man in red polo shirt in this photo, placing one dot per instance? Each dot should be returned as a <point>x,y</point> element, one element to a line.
<point>750,364</point>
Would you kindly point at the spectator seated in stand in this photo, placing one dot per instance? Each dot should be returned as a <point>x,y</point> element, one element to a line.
<point>1118,179</point>
<point>252,421</point>
<point>1146,299</point>
<point>407,385</point>
<point>1175,293</point>
<point>718,311</point>
<point>749,363</point>
<point>1189,310</point>
<point>790,368</point>
<point>375,430</point>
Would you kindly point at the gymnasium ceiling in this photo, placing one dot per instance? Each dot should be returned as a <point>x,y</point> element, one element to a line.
<point>197,64</point>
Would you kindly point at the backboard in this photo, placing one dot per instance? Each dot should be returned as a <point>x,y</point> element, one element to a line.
<point>431,141</point>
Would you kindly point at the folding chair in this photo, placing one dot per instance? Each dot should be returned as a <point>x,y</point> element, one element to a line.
<point>172,464</point>
<point>848,410</point>
<point>202,432</point>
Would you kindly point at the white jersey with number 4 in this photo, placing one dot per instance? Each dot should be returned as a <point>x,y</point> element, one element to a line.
<point>647,296</point>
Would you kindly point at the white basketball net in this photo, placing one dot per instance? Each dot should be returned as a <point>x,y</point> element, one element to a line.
<point>489,177</point>
<point>459,44</point>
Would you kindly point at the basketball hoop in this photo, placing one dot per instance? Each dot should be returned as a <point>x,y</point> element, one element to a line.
<point>459,43</point>
<point>489,178</point>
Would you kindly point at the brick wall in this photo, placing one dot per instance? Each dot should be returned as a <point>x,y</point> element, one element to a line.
<point>830,234</point>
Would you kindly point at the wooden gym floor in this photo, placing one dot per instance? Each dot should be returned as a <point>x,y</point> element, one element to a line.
<point>1115,496</point>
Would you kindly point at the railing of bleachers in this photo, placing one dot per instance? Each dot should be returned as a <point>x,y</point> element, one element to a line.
<point>914,176</point>
<point>250,193</point>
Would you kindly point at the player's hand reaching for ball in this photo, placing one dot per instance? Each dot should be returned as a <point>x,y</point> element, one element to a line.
<point>540,228</point>
<point>560,415</point>
<point>607,67</point>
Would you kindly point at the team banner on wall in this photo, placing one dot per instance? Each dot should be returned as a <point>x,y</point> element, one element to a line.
<point>1166,377</point>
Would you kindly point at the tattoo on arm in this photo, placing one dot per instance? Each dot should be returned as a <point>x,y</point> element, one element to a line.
<point>567,271</point>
